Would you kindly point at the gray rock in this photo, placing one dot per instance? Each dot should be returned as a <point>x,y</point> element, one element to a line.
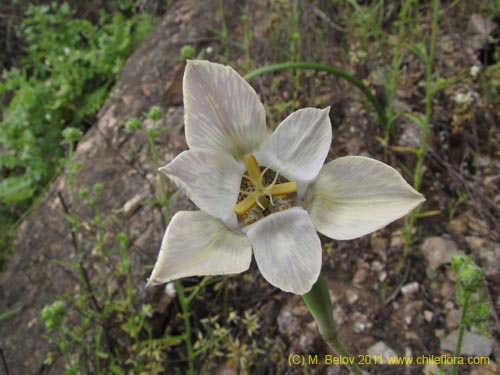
<point>397,240</point>
<point>458,226</point>
<point>453,318</point>
<point>438,251</point>
<point>133,204</point>
<point>351,296</point>
<point>360,322</point>
<point>377,266</point>
<point>428,315</point>
<point>294,321</point>
<point>410,288</point>
<point>430,369</point>
<point>360,276</point>
<point>412,135</point>
<point>473,344</point>
<point>380,348</point>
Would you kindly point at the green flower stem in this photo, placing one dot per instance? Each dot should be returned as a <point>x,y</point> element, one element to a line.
<point>461,331</point>
<point>184,301</point>
<point>397,59</point>
<point>419,172</point>
<point>320,305</point>
<point>329,69</point>
<point>422,151</point>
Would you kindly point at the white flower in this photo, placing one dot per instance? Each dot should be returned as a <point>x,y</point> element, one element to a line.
<point>269,194</point>
<point>461,98</point>
<point>474,70</point>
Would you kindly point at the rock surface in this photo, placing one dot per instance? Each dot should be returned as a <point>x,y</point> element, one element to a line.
<point>381,349</point>
<point>438,251</point>
<point>473,344</point>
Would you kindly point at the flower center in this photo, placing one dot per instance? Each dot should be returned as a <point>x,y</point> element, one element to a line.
<point>257,191</point>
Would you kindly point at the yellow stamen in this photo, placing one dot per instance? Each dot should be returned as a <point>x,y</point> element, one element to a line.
<point>245,205</point>
<point>252,167</point>
<point>256,178</point>
<point>284,188</point>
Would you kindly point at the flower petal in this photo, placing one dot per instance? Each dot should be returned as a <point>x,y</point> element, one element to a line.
<point>210,179</point>
<point>354,196</point>
<point>197,244</point>
<point>222,111</point>
<point>299,146</point>
<point>287,250</point>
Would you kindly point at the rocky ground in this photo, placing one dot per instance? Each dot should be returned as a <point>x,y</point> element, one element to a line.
<point>381,307</point>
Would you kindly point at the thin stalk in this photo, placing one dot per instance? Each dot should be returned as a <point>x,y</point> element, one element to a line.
<point>461,331</point>
<point>329,69</point>
<point>319,303</point>
<point>224,34</point>
<point>396,63</point>
<point>187,325</point>
<point>422,151</point>
<point>419,172</point>
<point>295,41</point>
<point>71,212</point>
<point>163,185</point>
<point>130,290</point>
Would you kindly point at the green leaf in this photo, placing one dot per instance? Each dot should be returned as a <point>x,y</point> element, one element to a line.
<point>418,119</point>
<point>440,84</point>
<point>9,313</point>
<point>420,50</point>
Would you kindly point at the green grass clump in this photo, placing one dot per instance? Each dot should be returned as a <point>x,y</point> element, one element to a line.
<point>69,68</point>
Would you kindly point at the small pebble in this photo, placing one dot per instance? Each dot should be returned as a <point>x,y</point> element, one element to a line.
<point>428,315</point>
<point>410,288</point>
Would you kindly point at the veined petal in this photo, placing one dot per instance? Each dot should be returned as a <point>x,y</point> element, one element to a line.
<point>197,244</point>
<point>287,250</point>
<point>222,111</point>
<point>299,146</point>
<point>354,196</point>
<point>210,179</point>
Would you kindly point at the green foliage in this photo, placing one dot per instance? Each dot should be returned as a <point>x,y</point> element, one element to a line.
<point>470,280</point>
<point>155,113</point>
<point>72,135</point>
<point>188,52</point>
<point>471,297</point>
<point>133,124</point>
<point>69,68</point>
<point>53,315</point>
